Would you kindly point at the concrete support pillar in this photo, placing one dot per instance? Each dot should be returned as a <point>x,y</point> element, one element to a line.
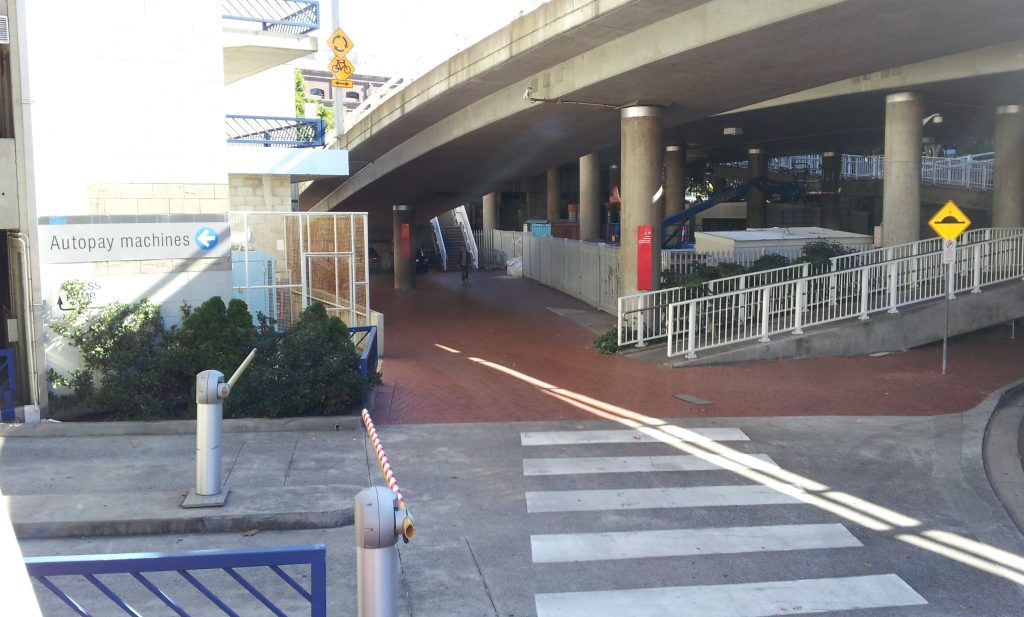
<point>590,191</point>
<point>901,188</point>
<point>402,246</point>
<point>490,212</point>
<point>675,179</point>
<point>641,177</point>
<point>757,210</point>
<point>554,195</point>
<point>831,175</point>
<point>1008,197</point>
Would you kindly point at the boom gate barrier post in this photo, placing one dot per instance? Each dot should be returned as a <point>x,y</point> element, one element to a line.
<point>211,390</point>
<point>381,518</point>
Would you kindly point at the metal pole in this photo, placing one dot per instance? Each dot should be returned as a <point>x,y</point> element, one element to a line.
<point>945,330</point>
<point>377,528</point>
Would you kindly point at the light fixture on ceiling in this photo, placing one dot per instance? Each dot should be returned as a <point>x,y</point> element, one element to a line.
<point>732,130</point>
<point>934,119</point>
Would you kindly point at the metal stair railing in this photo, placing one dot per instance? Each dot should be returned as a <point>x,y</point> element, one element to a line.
<point>275,131</point>
<point>920,247</point>
<point>975,171</point>
<point>757,314</point>
<point>643,317</point>
<point>294,17</point>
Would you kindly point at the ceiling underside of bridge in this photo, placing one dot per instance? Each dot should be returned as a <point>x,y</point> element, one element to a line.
<point>839,42</point>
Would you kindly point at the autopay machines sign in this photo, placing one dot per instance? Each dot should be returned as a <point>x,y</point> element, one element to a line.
<point>83,239</point>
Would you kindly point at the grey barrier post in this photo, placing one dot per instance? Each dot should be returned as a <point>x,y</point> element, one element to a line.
<point>211,390</point>
<point>378,526</point>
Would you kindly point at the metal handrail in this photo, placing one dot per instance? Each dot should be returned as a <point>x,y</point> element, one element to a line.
<point>275,131</point>
<point>436,224</point>
<point>44,569</point>
<point>724,319</point>
<point>975,171</point>
<point>294,17</point>
<point>365,337</point>
<point>642,317</point>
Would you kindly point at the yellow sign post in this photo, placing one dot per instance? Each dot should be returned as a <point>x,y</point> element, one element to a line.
<point>949,222</point>
<point>339,66</point>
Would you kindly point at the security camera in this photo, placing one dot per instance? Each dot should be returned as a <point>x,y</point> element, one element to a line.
<point>526,95</point>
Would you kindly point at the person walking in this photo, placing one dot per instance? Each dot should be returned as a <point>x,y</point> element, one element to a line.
<point>464,262</point>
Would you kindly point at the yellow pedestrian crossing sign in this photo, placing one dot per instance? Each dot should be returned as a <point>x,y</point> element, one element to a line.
<point>950,221</point>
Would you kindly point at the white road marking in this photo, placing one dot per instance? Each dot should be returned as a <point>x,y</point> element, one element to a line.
<point>675,497</point>
<point>557,548</point>
<point>636,464</point>
<point>739,600</point>
<point>560,438</point>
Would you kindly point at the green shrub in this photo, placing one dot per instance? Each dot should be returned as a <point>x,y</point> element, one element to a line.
<point>311,370</point>
<point>820,252</point>
<point>769,261</point>
<point>608,343</point>
<point>135,368</point>
<point>130,363</point>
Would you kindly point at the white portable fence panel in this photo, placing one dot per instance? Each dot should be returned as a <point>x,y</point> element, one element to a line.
<point>714,321</point>
<point>583,270</point>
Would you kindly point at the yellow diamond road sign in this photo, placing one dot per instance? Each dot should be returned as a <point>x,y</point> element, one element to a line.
<point>340,43</point>
<point>341,68</point>
<point>949,222</point>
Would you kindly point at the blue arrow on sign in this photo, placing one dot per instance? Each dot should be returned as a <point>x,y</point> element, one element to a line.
<point>206,238</point>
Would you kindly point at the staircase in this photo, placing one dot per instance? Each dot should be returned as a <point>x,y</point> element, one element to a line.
<point>454,240</point>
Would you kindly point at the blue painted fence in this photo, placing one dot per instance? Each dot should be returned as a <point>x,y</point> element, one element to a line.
<point>46,570</point>
<point>365,337</point>
<point>277,131</point>
<point>284,16</point>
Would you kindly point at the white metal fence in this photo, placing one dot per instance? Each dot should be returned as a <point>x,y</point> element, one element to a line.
<point>643,317</point>
<point>704,323</point>
<point>975,172</point>
<point>684,261</point>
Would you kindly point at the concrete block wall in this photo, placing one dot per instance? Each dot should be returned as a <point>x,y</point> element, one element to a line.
<point>260,193</point>
<point>159,198</point>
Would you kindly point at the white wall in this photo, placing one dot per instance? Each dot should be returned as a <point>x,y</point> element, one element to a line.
<point>124,91</point>
<point>270,93</point>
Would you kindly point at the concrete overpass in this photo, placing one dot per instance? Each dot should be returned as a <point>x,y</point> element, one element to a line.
<point>800,76</point>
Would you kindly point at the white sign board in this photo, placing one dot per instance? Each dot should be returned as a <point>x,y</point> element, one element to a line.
<point>948,251</point>
<point>84,239</point>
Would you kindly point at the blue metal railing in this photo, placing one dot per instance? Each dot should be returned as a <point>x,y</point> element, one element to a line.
<point>44,569</point>
<point>365,336</point>
<point>284,16</point>
<point>8,385</point>
<point>275,131</point>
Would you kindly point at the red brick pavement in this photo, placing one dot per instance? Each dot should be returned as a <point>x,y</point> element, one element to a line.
<point>507,322</point>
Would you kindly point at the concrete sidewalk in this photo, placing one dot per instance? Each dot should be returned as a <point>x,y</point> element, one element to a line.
<point>130,478</point>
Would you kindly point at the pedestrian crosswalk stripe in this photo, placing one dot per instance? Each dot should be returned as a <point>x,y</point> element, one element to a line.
<point>673,497</point>
<point>558,548</point>
<point>762,599</point>
<point>635,464</point>
<point>559,438</point>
